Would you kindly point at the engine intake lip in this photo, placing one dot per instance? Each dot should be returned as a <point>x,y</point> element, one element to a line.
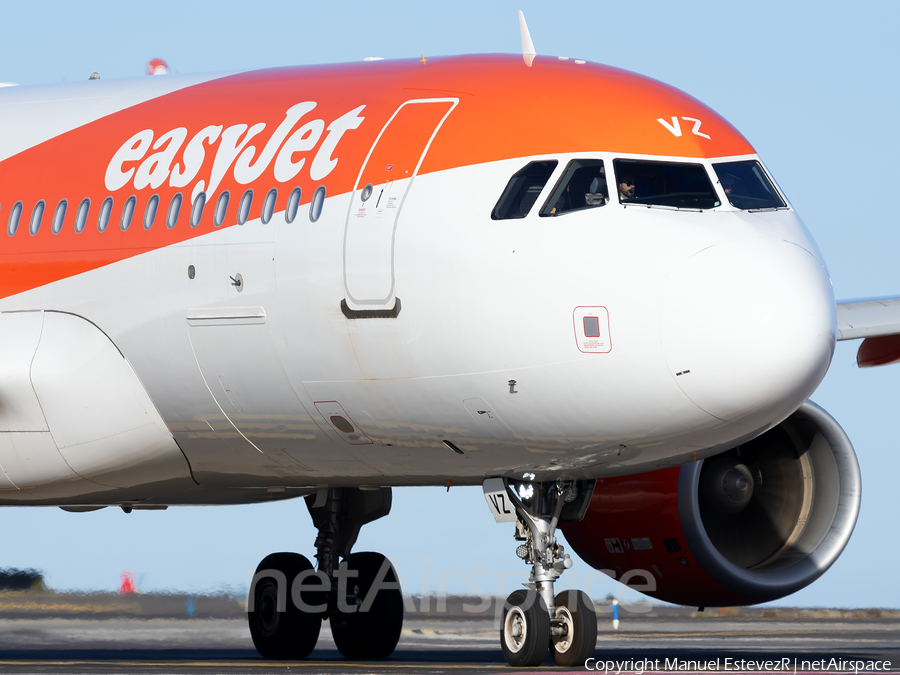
<point>838,491</point>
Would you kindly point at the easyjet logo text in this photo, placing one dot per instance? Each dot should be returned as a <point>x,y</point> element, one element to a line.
<point>182,161</point>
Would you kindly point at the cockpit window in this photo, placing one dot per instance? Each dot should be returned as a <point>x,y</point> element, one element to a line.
<point>583,186</point>
<point>522,190</point>
<point>675,184</point>
<point>747,186</point>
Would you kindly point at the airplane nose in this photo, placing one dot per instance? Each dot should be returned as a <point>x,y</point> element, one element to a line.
<point>748,328</point>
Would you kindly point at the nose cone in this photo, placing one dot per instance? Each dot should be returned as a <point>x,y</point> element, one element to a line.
<point>748,328</point>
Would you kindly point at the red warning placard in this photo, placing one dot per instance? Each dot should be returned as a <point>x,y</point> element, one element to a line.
<point>592,330</point>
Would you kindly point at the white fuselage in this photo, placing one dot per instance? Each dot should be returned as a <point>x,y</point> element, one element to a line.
<point>247,377</point>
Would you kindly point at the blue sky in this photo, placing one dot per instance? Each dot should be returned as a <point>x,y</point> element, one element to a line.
<point>814,89</point>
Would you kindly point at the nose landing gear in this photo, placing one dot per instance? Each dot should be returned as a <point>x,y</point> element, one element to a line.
<point>526,629</point>
<point>360,596</point>
<point>576,628</point>
<point>535,618</point>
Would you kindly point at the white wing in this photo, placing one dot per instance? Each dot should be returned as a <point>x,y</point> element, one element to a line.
<point>874,317</point>
<point>878,321</point>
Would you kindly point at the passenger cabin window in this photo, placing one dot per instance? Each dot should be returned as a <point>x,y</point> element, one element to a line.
<point>244,207</point>
<point>81,215</point>
<point>14,216</point>
<point>37,214</point>
<point>269,206</point>
<point>197,209</point>
<point>174,210</point>
<point>318,201</point>
<point>674,184</point>
<point>127,213</point>
<point>59,216</point>
<point>105,211</point>
<point>522,190</point>
<point>221,208</point>
<point>293,204</point>
<point>150,211</point>
<point>747,186</point>
<point>583,186</point>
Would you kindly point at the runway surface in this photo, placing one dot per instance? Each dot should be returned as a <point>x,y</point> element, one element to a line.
<point>130,645</point>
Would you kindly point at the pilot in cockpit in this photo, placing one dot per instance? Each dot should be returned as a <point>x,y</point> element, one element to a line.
<point>727,181</point>
<point>626,188</point>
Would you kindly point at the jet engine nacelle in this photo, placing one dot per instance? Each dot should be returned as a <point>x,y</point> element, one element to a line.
<point>752,524</point>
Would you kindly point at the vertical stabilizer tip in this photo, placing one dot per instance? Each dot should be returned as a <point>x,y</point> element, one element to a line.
<point>528,52</point>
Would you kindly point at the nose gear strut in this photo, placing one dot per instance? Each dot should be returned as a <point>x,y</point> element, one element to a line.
<point>546,556</point>
<point>537,618</point>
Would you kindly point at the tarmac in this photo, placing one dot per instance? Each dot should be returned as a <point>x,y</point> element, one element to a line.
<point>688,643</point>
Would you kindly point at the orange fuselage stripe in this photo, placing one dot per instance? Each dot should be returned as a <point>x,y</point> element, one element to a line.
<point>505,110</point>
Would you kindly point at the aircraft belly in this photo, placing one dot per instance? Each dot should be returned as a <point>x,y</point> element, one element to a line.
<point>31,460</point>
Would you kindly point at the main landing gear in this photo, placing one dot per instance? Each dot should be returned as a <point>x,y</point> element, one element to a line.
<point>360,595</point>
<point>534,619</point>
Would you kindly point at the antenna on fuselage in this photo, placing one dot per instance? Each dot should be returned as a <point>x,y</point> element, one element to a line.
<point>528,52</point>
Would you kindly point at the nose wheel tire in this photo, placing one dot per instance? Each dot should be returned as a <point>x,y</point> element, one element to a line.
<point>525,632</point>
<point>291,633</point>
<point>371,634</point>
<point>577,643</point>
